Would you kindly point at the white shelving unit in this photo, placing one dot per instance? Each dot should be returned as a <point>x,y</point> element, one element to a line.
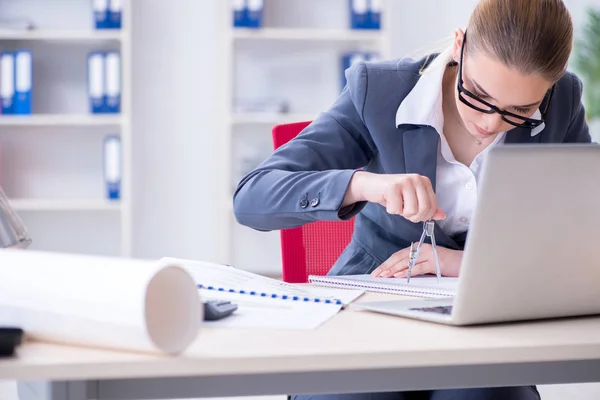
<point>306,34</point>
<point>75,35</point>
<point>60,120</point>
<point>295,57</point>
<point>51,162</point>
<point>63,205</point>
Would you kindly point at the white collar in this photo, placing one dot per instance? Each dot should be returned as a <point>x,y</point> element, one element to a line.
<point>423,105</point>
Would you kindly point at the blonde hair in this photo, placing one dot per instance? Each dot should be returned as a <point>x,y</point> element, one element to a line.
<point>533,36</point>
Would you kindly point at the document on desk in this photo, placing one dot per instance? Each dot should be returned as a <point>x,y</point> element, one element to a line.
<point>266,302</point>
<point>268,312</point>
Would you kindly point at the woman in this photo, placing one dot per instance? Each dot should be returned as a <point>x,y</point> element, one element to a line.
<point>405,141</point>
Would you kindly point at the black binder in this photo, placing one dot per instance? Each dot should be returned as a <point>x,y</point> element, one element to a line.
<point>10,339</point>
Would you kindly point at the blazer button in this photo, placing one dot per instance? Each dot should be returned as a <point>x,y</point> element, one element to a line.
<point>304,203</point>
<point>314,202</point>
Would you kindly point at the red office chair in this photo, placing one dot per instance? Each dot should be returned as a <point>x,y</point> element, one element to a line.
<point>311,249</point>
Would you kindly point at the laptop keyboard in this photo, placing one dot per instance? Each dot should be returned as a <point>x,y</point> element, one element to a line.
<point>437,309</point>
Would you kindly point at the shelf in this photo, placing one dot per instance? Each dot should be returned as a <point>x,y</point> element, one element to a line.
<point>269,118</point>
<point>64,205</point>
<point>62,35</point>
<point>61,120</point>
<point>338,35</point>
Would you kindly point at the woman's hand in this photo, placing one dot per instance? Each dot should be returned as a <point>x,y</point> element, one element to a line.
<point>408,195</point>
<point>397,265</point>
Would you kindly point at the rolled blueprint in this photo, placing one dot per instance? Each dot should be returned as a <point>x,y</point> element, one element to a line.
<point>105,302</point>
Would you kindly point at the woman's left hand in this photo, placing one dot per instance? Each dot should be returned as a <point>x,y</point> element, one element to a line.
<point>397,265</point>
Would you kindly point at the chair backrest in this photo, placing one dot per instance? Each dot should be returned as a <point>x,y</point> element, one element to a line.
<point>311,249</point>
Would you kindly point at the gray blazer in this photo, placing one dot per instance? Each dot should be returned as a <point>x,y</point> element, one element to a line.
<point>306,179</point>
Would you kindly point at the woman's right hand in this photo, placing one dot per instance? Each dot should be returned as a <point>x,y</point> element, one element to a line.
<point>408,195</point>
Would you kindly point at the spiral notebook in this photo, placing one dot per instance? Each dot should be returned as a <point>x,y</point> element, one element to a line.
<point>419,286</point>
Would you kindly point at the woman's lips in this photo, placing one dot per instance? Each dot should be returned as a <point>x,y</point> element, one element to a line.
<point>482,131</point>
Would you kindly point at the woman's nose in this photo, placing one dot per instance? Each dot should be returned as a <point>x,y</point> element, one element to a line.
<point>492,122</point>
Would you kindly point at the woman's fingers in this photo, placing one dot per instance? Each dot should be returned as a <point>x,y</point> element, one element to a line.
<point>396,266</point>
<point>420,202</point>
<point>390,266</point>
<point>411,201</point>
<point>421,268</point>
<point>394,202</point>
<point>426,199</point>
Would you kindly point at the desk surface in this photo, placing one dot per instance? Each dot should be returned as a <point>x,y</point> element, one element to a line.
<point>352,340</point>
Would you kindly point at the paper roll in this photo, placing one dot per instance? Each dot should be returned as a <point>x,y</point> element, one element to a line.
<point>116,303</point>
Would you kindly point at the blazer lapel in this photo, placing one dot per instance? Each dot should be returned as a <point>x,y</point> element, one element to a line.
<point>420,157</point>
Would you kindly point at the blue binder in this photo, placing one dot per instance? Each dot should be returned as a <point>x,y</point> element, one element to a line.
<point>101,19</point>
<point>374,20</point>
<point>112,166</point>
<point>239,13</point>
<point>96,82</point>
<point>115,11</point>
<point>23,81</point>
<point>359,14</point>
<point>112,71</point>
<point>7,82</point>
<point>254,13</point>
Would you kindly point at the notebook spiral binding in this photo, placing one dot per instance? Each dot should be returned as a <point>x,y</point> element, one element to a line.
<point>415,290</point>
<point>274,295</point>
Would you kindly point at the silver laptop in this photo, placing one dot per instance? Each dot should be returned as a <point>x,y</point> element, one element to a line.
<point>533,249</point>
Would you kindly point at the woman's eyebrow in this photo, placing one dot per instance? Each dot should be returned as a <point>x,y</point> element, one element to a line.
<point>486,94</point>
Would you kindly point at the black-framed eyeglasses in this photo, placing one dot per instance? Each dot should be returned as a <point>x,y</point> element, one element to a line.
<point>483,106</point>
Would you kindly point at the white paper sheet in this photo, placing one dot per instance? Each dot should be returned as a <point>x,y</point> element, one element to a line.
<point>103,302</point>
<point>260,312</point>
<point>233,278</point>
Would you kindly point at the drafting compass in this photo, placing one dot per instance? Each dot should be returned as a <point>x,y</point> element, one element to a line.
<point>428,227</point>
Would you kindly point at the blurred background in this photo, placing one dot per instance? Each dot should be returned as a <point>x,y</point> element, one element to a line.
<point>146,168</point>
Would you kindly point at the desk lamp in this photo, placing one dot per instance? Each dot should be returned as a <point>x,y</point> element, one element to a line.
<point>12,235</point>
<point>12,231</point>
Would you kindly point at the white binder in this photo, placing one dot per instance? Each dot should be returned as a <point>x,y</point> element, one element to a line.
<point>112,65</point>
<point>7,82</point>
<point>96,83</point>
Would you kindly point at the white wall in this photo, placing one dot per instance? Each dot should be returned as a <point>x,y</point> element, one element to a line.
<point>177,130</point>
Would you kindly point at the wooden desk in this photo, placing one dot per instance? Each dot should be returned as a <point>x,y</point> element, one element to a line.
<point>356,351</point>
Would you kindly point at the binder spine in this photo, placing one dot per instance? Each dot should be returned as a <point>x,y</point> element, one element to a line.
<point>7,82</point>
<point>239,13</point>
<point>375,14</point>
<point>273,295</point>
<point>96,85</point>
<point>114,15</point>
<point>112,68</point>
<point>254,13</point>
<point>100,11</point>
<point>23,82</point>
<point>112,166</point>
<point>359,14</point>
